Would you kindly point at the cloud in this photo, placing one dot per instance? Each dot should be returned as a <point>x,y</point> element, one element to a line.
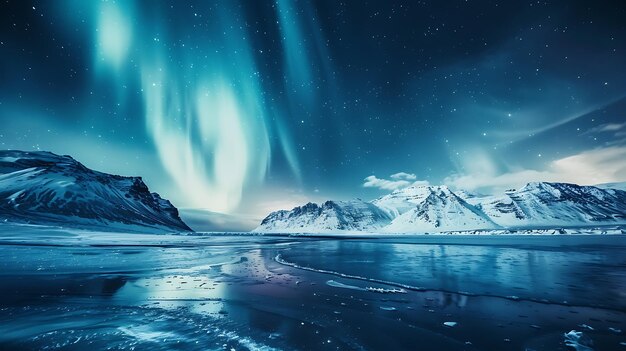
<point>596,166</point>
<point>404,176</point>
<point>399,181</point>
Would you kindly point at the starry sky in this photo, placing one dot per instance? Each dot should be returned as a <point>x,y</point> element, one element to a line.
<point>242,107</point>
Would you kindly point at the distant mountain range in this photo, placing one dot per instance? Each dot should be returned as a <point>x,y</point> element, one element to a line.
<point>423,209</point>
<point>45,188</point>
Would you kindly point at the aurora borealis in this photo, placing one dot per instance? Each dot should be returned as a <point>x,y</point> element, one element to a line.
<point>241,107</point>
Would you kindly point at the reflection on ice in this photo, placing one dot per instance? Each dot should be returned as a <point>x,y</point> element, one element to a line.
<point>444,299</point>
<point>566,276</point>
<point>174,291</point>
<point>147,333</point>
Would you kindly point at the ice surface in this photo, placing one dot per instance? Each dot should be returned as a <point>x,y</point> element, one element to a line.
<point>343,286</point>
<point>87,290</point>
<point>550,272</point>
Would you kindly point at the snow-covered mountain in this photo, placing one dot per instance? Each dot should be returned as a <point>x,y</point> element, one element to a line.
<point>45,188</point>
<point>440,210</point>
<point>555,204</point>
<point>403,200</point>
<point>419,209</point>
<point>332,216</point>
<point>618,185</point>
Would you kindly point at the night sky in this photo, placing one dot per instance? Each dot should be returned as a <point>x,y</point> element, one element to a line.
<point>243,107</point>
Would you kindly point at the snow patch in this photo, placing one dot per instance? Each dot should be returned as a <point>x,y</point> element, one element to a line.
<point>578,341</point>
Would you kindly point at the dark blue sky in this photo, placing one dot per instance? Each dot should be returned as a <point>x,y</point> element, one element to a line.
<point>248,106</point>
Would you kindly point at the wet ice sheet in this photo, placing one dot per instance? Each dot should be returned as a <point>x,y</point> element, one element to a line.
<point>574,275</point>
<point>231,292</point>
<point>121,297</point>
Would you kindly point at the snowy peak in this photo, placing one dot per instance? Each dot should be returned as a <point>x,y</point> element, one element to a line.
<point>331,216</point>
<point>563,204</point>
<point>403,200</point>
<point>44,188</point>
<point>441,210</point>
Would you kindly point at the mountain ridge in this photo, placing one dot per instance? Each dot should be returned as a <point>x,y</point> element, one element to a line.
<point>41,187</point>
<point>427,208</point>
<point>353,215</point>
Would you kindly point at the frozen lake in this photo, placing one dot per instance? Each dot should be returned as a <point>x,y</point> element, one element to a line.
<point>147,292</point>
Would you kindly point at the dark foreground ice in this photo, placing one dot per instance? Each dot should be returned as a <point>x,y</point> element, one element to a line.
<point>90,291</point>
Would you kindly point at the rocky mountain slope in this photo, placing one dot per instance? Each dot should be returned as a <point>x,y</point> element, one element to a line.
<point>45,188</point>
